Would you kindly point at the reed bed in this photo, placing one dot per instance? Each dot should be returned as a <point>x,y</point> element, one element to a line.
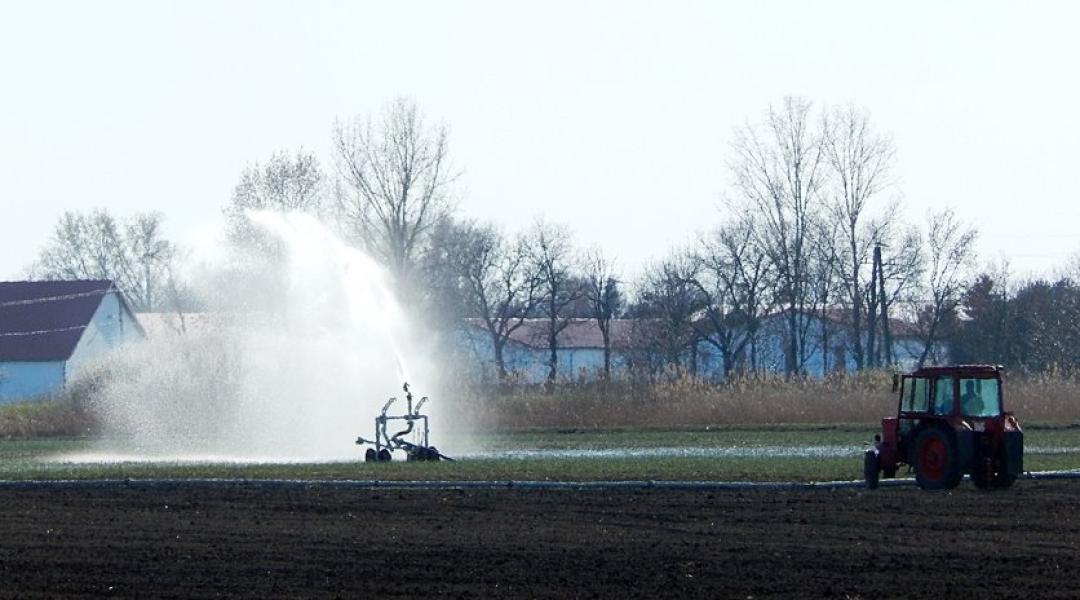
<point>45,418</point>
<point>1050,398</point>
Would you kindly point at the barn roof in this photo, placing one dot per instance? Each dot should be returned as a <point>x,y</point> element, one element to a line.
<point>898,328</point>
<point>579,333</point>
<point>43,320</point>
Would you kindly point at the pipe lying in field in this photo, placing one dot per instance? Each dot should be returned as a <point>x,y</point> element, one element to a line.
<point>506,484</point>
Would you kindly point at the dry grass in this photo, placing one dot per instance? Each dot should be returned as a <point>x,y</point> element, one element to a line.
<point>857,398</point>
<point>45,418</point>
<point>64,415</point>
<point>1051,398</point>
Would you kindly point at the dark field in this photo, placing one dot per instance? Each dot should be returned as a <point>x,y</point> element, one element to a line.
<point>260,540</point>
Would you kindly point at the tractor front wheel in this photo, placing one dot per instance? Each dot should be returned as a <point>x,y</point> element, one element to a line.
<point>936,463</point>
<point>871,469</point>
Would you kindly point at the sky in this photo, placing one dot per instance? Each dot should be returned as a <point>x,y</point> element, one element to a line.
<point>615,118</point>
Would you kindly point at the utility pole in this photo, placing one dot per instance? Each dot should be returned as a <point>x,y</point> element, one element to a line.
<point>886,333</point>
<point>872,312</point>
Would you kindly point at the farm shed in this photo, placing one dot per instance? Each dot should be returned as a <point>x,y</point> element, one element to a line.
<point>49,329</point>
<point>648,344</point>
<point>580,349</point>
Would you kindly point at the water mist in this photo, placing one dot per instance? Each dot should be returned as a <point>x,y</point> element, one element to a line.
<point>301,343</point>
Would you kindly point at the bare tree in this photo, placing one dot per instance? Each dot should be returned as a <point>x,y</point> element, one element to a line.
<point>146,273</point>
<point>135,255</point>
<point>732,277</point>
<point>83,246</point>
<point>397,179</point>
<point>861,162</point>
<point>667,303</point>
<point>950,254</point>
<point>446,295</point>
<point>285,183</point>
<point>553,262</point>
<point>779,168</point>
<point>824,270</point>
<point>1071,271</point>
<point>604,297</point>
<point>503,288</point>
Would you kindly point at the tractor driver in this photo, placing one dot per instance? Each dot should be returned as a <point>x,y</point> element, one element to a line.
<point>971,400</point>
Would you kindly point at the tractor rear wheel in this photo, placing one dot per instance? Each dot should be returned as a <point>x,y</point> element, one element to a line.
<point>871,469</point>
<point>936,464</point>
<point>982,475</point>
<point>993,474</point>
<point>1002,478</point>
<point>1004,481</point>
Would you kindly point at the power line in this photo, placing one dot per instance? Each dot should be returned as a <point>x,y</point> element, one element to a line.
<point>54,298</point>
<point>42,331</point>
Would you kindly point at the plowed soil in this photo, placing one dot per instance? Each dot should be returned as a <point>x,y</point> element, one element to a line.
<point>271,540</point>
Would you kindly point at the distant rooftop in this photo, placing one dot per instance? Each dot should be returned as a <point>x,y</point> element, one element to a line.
<point>43,320</point>
<point>579,333</point>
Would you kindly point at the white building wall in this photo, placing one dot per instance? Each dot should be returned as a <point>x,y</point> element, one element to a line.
<point>111,326</point>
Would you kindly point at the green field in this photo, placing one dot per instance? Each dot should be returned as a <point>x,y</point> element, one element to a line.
<point>766,453</point>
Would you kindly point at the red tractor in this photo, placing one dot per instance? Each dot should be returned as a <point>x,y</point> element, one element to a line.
<point>949,422</point>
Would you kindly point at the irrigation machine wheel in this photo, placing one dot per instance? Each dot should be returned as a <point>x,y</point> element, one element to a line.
<point>871,469</point>
<point>384,455</point>
<point>433,454</point>
<point>370,456</point>
<point>936,464</point>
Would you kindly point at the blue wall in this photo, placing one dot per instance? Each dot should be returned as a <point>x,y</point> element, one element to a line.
<point>529,364</point>
<point>25,380</point>
<point>111,326</point>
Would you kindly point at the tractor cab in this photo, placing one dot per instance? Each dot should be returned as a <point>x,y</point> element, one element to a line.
<point>950,422</point>
<point>969,394</point>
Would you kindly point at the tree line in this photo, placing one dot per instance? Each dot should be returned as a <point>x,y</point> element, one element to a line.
<point>810,232</point>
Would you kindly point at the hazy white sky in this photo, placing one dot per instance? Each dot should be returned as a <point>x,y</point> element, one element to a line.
<point>614,117</point>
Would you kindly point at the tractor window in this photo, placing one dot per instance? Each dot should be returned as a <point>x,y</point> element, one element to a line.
<point>943,396</point>
<point>918,401</point>
<point>980,397</point>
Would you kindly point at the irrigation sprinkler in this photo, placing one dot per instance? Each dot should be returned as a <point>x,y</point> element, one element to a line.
<point>385,443</point>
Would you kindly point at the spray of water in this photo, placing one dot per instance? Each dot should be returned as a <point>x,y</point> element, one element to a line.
<point>301,344</point>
